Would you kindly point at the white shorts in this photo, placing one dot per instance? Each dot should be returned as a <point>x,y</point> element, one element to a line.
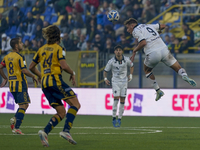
<point>119,89</point>
<point>155,57</point>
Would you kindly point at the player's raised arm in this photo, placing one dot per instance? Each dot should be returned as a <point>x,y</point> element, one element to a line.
<point>138,47</point>
<point>162,26</point>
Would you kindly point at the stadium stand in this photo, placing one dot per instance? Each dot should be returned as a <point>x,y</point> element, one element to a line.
<point>170,17</point>
<point>81,26</point>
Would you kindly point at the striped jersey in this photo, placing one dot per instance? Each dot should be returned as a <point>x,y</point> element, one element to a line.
<point>49,56</point>
<point>15,63</point>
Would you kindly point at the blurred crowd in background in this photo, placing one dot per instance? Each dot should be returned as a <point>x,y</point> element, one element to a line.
<point>84,25</point>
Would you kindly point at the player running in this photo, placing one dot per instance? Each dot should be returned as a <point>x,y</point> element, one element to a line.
<point>15,64</point>
<point>118,65</point>
<point>51,57</point>
<point>155,51</point>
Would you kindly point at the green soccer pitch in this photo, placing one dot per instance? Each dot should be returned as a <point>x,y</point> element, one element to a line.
<point>97,133</point>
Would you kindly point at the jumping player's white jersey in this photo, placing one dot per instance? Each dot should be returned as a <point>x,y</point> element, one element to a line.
<point>119,68</point>
<point>149,33</point>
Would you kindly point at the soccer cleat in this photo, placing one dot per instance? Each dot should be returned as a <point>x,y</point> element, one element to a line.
<point>114,123</point>
<point>68,137</point>
<point>159,94</point>
<point>189,80</point>
<point>119,122</point>
<point>43,138</point>
<point>12,123</point>
<point>17,131</point>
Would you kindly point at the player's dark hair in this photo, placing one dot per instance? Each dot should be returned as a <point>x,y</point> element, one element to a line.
<point>130,21</point>
<point>118,46</point>
<point>51,34</point>
<point>14,41</point>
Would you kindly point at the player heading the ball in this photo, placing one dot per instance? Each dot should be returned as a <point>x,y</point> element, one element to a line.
<point>155,50</point>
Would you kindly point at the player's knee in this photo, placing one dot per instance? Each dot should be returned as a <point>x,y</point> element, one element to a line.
<point>26,106</point>
<point>78,105</point>
<point>116,98</point>
<point>147,69</point>
<point>122,99</point>
<point>62,114</point>
<point>149,74</point>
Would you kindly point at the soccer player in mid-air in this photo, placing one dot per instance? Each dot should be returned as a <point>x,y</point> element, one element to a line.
<point>118,65</point>
<point>15,64</point>
<point>51,57</point>
<point>155,51</point>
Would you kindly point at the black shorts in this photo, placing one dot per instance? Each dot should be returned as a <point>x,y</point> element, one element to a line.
<point>21,97</point>
<point>55,94</point>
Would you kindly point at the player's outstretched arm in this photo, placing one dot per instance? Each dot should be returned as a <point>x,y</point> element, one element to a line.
<point>105,78</point>
<point>27,73</point>
<point>3,75</point>
<point>138,47</point>
<point>67,69</point>
<point>162,26</point>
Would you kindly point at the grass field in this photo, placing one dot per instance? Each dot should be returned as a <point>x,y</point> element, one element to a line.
<point>97,133</point>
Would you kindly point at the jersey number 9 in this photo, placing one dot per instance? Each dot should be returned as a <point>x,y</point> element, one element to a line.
<point>151,31</point>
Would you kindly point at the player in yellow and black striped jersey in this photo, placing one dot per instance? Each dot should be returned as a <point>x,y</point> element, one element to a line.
<point>51,57</point>
<point>15,64</point>
<point>17,80</point>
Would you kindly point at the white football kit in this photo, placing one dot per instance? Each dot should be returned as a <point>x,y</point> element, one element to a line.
<point>155,49</point>
<point>119,75</point>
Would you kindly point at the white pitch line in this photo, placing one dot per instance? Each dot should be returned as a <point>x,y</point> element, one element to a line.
<point>170,127</point>
<point>156,131</point>
<point>123,128</point>
<point>142,131</point>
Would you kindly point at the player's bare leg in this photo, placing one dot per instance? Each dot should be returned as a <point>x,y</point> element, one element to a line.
<point>121,110</point>
<point>114,110</point>
<point>149,74</point>
<point>177,67</point>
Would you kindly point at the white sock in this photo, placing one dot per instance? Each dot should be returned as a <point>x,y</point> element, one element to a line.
<point>115,107</point>
<point>155,85</point>
<point>182,72</point>
<point>121,110</point>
